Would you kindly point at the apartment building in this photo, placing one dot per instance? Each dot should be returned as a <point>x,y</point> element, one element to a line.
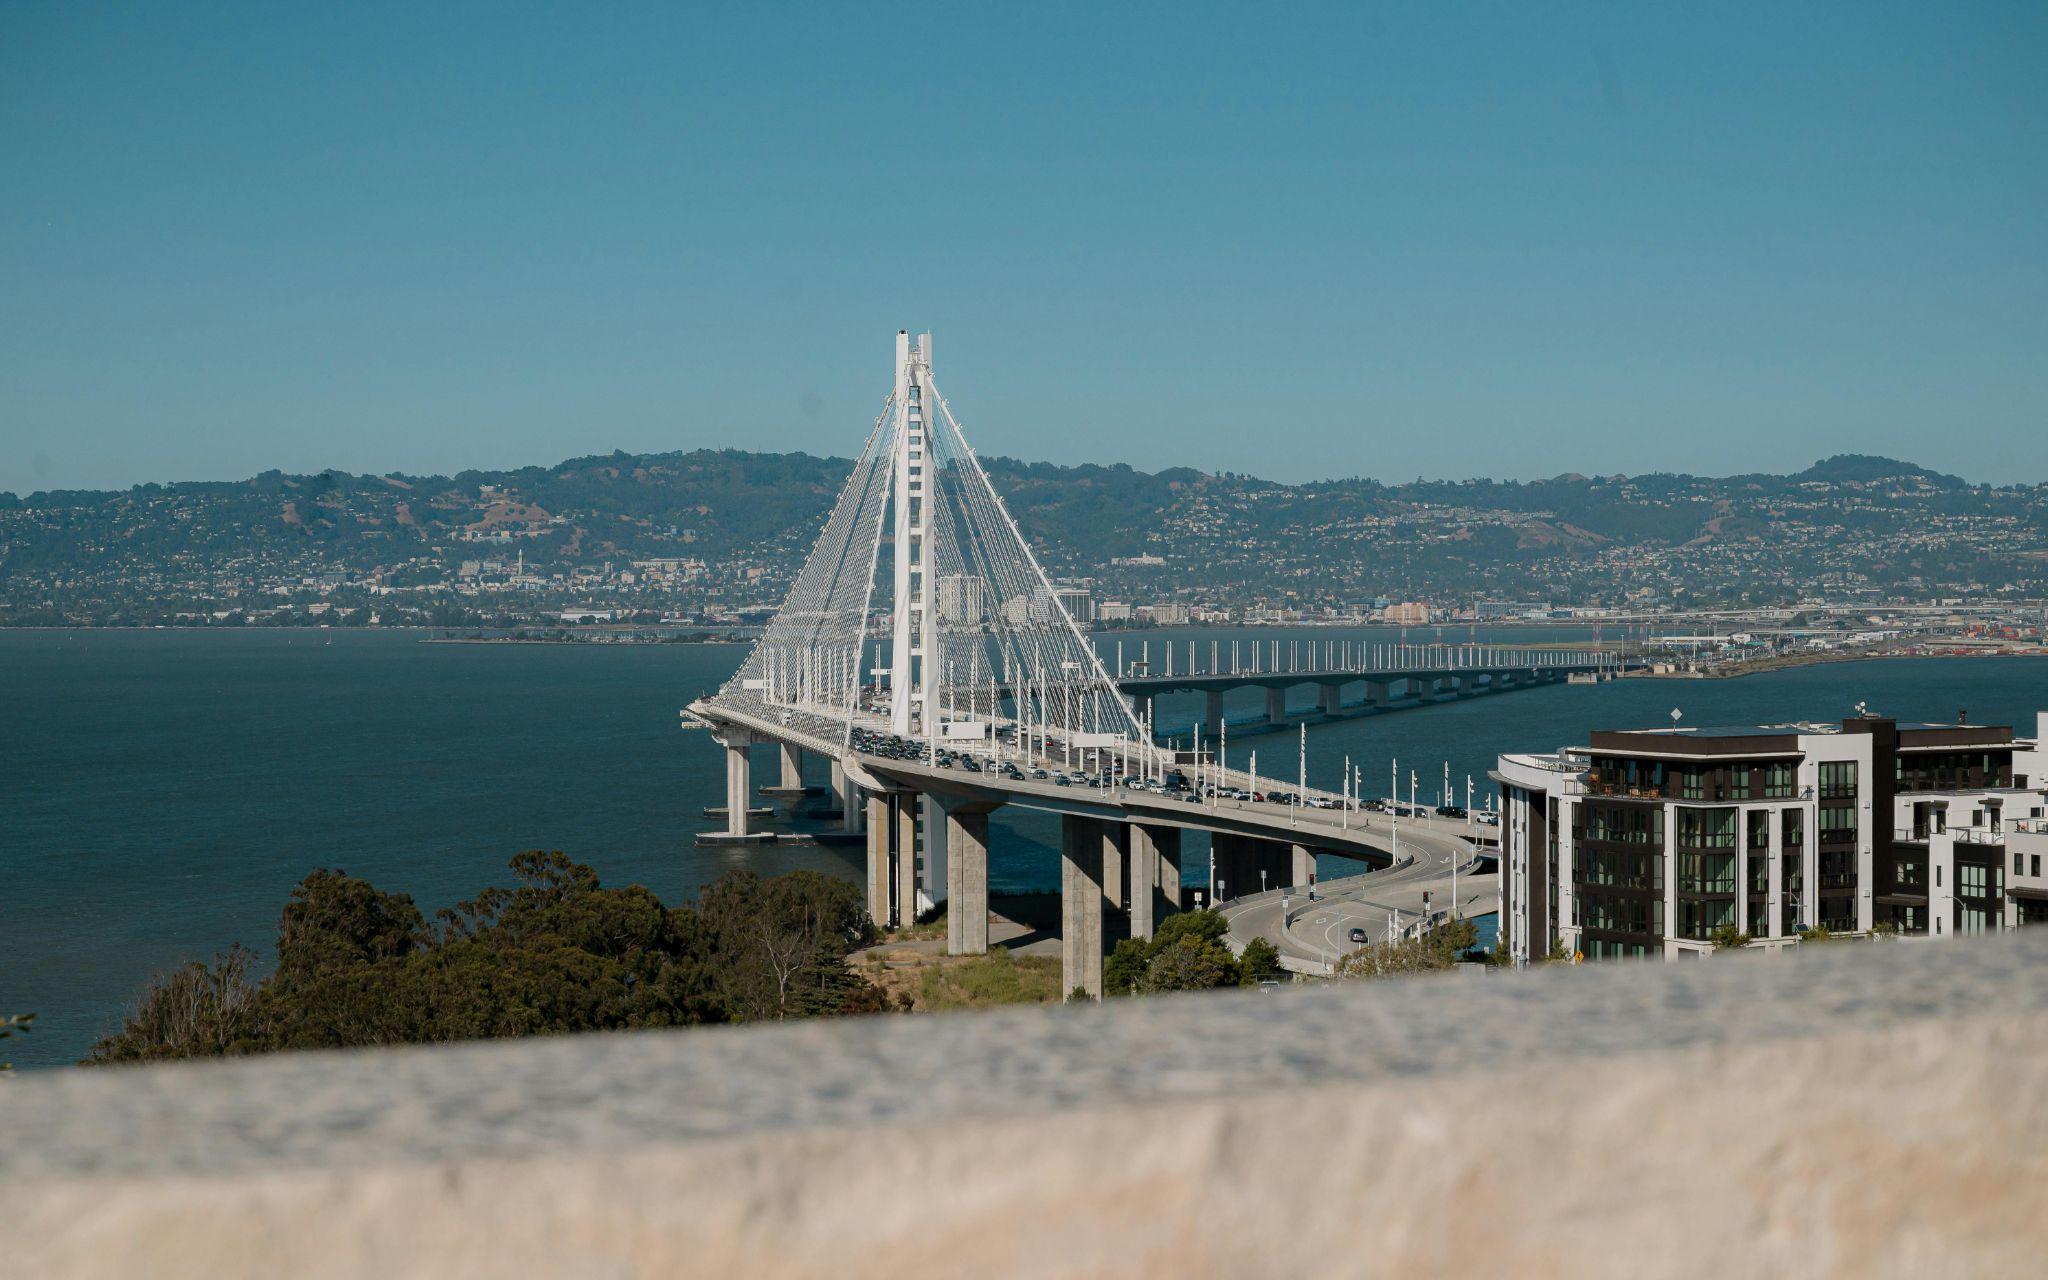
<point>1658,841</point>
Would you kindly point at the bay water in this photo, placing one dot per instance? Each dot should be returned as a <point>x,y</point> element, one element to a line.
<point>162,791</point>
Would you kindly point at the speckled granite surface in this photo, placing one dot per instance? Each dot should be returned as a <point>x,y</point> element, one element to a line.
<point>612,1094</point>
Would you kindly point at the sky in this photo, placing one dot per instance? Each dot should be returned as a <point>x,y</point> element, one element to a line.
<point>1297,241</point>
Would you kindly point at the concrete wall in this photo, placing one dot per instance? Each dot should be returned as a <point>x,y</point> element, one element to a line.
<point>1861,1110</point>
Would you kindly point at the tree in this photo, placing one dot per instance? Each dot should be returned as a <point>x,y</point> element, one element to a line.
<point>196,1010</point>
<point>1185,953</point>
<point>781,944</point>
<point>1729,938</point>
<point>1125,967</point>
<point>1187,963</point>
<point>555,952</point>
<point>1430,952</point>
<point>1260,961</point>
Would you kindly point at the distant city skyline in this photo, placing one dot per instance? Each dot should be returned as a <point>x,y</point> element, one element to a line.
<point>1311,244</point>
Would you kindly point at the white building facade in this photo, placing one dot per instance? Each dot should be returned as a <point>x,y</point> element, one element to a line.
<point>1673,841</point>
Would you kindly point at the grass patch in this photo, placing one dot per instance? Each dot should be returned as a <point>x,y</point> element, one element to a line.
<point>998,978</point>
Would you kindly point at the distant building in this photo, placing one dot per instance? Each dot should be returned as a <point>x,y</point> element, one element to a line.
<point>1080,606</point>
<point>1165,615</point>
<point>1648,841</point>
<point>1113,611</point>
<point>1495,610</point>
<point>1411,614</point>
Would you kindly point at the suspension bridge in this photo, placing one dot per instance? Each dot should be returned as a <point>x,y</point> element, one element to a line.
<point>924,652</point>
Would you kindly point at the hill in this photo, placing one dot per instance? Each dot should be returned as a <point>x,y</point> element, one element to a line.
<point>718,531</point>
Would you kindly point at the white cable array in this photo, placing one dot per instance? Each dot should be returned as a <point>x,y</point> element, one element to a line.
<point>1023,634</point>
<point>1009,654</point>
<point>808,661</point>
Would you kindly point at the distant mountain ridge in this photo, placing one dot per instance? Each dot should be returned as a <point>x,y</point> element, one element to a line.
<point>1849,522</point>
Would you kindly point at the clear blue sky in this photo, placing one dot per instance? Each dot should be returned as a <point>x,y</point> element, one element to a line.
<point>1297,241</point>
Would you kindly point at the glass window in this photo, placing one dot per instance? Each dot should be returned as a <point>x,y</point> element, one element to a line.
<point>1706,828</point>
<point>1838,778</point>
<point>1706,873</point>
<point>1837,823</point>
<point>1795,828</point>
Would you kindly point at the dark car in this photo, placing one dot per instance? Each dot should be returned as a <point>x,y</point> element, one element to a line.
<point>1356,935</point>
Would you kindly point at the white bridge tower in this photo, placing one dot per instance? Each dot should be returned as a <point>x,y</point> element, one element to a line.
<point>913,645</point>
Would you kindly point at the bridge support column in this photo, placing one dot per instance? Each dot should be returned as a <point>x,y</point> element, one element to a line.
<point>1173,896</point>
<point>1081,850</point>
<point>1212,712</point>
<point>1117,874</point>
<point>1467,686</point>
<point>1330,699</point>
<point>906,806</point>
<point>792,767</point>
<point>739,788</point>
<point>1276,706</point>
<point>1301,871</point>
<point>1141,709</point>
<point>1375,694</point>
<point>848,792</point>
<point>1237,865</point>
<point>934,877</point>
<point>966,881</point>
<point>881,856</point>
<point>1154,853</point>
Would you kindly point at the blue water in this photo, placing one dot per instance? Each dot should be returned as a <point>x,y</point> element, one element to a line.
<point>161,792</point>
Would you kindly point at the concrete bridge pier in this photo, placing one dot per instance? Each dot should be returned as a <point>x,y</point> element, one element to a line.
<point>1082,846</point>
<point>1376,693</point>
<point>908,810</point>
<point>1141,709</point>
<point>1467,685</point>
<point>1330,698</point>
<point>1116,873</point>
<point>1244,862</point>
<point>967,878</point>
<point>892,858</point>
<point>848,793</point>
<point>1155,875</point>
<point>1276,706</point>
<point>792,767</point>
<point>1212,712</point>
<point>934,873</point>
<point>1301,870</point>
<point>881,855</point>
<point>739,789</point>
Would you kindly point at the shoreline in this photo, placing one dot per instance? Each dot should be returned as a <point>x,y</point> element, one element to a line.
<point>1765,666</point>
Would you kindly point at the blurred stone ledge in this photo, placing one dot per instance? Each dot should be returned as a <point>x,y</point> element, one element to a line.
<point>1859,1109</point>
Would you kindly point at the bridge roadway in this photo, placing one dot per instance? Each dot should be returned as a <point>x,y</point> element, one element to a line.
<point>1315,935</point>
<point>1120,848</point>
<point>1425,676</point>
